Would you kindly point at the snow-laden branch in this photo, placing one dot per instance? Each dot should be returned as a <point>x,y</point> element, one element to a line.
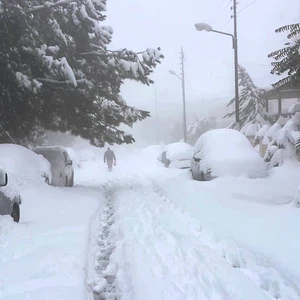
<point>48,4</point>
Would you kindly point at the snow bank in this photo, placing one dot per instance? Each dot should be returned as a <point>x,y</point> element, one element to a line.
<point>259,214</point>
<point>227,152</point>
<point>179,151</point>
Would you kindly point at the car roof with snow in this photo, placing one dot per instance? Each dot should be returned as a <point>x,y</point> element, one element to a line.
<point>178,151</point>
<point>50,148</point>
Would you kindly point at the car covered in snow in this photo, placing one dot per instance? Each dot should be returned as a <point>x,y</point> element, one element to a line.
<point>176,155</point>
<point>61,165</point>
<point>25,169</point>
<point>9,205</point>
<point>24,165</point>
<point>225,152</point>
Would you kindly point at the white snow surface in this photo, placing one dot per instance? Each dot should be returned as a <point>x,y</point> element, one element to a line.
<point>180,164</point>
<point>24,168</point>
<point>179,151</point>
<point>227,152</point>
<point>44,256</point>
<point>148,232</point>
<point>174,238</point>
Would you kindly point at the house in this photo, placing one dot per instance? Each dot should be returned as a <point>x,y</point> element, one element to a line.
<point>279,100</point>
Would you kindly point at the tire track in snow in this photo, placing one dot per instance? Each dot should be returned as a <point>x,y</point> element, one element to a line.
<point>257,268</point>
<point>102,272</point>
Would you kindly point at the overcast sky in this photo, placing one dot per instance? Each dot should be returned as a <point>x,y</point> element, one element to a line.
<point>139,24</point>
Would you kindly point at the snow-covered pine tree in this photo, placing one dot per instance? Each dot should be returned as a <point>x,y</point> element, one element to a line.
<point>287,59</point>
<point>251,104</point>
<point>56,71</point>
<point>284,144</point>
<point>198,127</point>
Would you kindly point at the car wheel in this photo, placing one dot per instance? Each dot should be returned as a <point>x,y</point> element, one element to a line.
<point>47,180</point>
<point>66,181</point>
<point>16,212</point>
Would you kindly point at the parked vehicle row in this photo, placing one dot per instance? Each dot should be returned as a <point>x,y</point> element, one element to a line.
<point>217,153</point>
<point>20,166</point>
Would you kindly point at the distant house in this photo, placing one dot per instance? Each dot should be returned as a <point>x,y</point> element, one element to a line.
<point>279,101</point>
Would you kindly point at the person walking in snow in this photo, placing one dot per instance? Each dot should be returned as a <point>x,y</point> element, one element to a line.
<point>109,158</point>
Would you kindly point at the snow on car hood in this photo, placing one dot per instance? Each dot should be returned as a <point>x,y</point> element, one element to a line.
<point>23,166</point>
<point>179,151</point>
<point>227,152</point>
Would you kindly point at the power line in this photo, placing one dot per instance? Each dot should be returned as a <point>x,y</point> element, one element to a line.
<point>220,6</point>
<point>247,6</point>
<point>223,27</point>
<point>228,3</point>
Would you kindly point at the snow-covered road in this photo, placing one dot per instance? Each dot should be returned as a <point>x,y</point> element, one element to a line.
<point>157,251</point>
<point>146,232</point>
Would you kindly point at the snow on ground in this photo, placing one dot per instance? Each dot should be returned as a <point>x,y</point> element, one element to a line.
<point>44,256</point>
<point>174,238</point>
<point>147,232</point>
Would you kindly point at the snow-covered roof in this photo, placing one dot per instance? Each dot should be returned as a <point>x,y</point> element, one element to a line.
<point>262,131</point>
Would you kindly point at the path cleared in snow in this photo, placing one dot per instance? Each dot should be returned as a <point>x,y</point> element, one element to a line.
<point>101,277</point>
<point>160,252</point>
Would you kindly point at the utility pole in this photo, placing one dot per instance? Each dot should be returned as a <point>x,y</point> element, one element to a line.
<point>236,65</point>
<point>183,95</point>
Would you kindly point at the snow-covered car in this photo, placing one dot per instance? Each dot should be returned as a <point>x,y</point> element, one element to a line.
<point>24,165</point>
<point>9,205</point>
<point>177,155</point>
<point>225,152</point>
<point>61,165</point>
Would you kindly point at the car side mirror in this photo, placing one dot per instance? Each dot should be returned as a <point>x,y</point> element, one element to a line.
<point>69,163</point>
<point>3,179</point>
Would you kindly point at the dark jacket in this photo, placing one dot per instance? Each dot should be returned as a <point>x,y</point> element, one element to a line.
<point>109,156</point>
